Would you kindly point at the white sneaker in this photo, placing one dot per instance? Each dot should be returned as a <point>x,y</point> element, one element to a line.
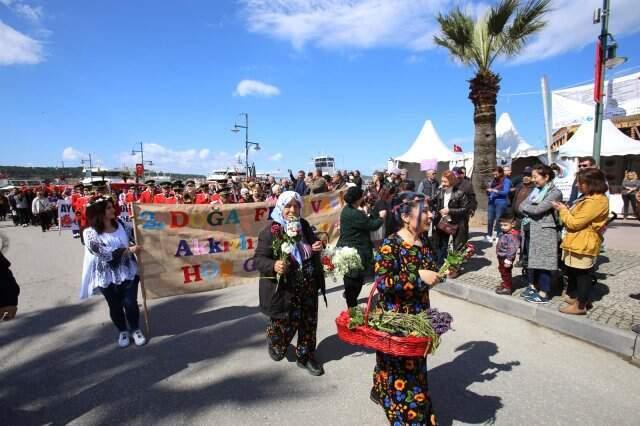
<point>487,238</point>
<point>123,339</point>
<point>139,338</point>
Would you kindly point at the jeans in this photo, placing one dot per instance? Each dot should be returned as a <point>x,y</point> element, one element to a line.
<point>579,284</point>
<point>629,200</point>
<point>123,302</point>
<point>542,277</point>
<point>494,212</point>
<point>352,288</point>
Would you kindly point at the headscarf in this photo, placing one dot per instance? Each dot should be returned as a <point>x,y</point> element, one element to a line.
<point>301,251</point>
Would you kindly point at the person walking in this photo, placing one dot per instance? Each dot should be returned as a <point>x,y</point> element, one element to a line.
<point>355,232</point>
<point>289,283</point>
<point>630,187</point>
<point>539,215</point>
<point>40,210</point>
<point>22,208</point>
<point>581,245</point>
<point>110,268</point>
<point>498,193</point>
<point>405,271</point>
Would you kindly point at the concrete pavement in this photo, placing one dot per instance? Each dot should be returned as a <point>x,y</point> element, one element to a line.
<point>207,364</point>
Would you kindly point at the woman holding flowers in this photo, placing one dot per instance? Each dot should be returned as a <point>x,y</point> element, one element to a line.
<point>355,231</point>
<point>405,270</point>
<point>288,258</point>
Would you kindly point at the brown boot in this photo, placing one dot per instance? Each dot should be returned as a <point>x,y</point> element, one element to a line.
<point>570,300</point>
<point>573,310</point>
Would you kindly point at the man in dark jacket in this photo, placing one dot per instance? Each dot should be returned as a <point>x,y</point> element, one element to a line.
<point>429,186</point>
<point>299,184</point>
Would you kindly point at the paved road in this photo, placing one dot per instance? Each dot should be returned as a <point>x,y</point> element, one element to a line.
<point>207,362</point>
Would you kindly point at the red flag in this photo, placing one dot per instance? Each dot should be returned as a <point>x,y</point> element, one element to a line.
<point>597,79</point>
<point>457,148</point>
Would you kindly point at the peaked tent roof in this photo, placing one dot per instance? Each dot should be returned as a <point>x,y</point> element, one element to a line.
<point>427,146</point>
<point>614,142</point>
<point>509,143</point>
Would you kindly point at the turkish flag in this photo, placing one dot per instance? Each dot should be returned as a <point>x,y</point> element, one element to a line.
<point>457,148</point>
<point>597,78</point>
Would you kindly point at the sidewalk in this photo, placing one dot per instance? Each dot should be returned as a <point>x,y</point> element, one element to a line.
<point>608,324</point>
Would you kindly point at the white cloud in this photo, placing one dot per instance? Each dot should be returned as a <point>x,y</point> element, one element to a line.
<point>570,27</point>
<point>255,88</point>
<point>72,154</point>
<point>18,48</point>
<point>204,153</point>
<point>410,24</point>
<point>31,13</point>
<point>276,157</point>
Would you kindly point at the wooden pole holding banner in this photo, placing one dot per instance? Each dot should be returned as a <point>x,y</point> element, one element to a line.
<point>145,310</point>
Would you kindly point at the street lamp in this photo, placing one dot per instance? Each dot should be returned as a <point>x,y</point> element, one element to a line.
<point>247,144</point>
<point>606,58</point>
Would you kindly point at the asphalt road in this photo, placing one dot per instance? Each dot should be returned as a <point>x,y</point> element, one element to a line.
<point>207,362</point>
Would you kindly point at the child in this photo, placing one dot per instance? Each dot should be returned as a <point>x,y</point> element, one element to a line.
<point>507,249</point>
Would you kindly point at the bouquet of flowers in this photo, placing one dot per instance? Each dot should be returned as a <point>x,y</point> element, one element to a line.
<point>284,242</point>
<point>340,261</point>
<point>454,259</point>
<point>431,323</point>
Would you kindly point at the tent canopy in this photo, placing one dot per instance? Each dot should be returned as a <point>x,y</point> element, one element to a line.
<point>614,142</point>
<point>509,143</point>
<point>427,146</point>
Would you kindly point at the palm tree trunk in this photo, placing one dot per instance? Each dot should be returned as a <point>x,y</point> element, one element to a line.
<point>483,93</point>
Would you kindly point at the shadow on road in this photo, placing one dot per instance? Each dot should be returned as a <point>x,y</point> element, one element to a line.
<point>334,349</point>
<point>449,382</point>
<point>88,373</point>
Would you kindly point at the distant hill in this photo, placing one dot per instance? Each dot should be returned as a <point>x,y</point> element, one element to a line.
<point>52,173</point>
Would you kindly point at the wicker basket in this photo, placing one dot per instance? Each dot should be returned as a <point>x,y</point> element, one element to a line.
<point>379,340</point>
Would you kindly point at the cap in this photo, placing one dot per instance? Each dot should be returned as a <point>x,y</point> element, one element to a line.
<point>149,182</point>
<point>166,184</point>
<point>177,185</point>
<point>190,182</point>
<point>177,182</point>
<point>527,171</point>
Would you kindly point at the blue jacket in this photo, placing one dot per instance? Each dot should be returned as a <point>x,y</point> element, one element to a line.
<point>502,196</point>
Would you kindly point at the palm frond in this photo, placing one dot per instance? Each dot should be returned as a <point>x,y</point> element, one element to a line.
<point>456,34</point>
<point>500,15</point>
<point>527,21</point>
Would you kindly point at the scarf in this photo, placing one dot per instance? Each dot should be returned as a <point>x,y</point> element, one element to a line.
<point>536,197</point>
<point>301,251</point>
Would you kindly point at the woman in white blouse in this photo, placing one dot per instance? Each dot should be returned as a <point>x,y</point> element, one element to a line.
<point>110,268</point>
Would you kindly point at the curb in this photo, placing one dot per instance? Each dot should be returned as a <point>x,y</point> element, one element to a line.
<point>621,342</point>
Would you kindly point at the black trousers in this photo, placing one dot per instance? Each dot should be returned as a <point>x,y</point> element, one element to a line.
<point>352,288</point>
<point>123,304</point>
<point>629,200</point>
<point>23,216</point>
<point>45,220</point>
<point>579,284</point>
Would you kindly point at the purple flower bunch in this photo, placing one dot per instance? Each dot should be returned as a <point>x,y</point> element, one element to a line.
<point>440,321</point>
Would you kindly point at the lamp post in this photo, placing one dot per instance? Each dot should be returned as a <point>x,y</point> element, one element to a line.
<point>247,144</point>
<point>141,152</point>
<point>605,58</point>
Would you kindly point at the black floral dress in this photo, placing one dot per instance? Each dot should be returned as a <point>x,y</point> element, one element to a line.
<point>400,383</point>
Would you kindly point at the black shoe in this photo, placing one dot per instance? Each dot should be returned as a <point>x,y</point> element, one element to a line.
<point>635,296</point>
<point>374,398</point>
<point>504,291</point>
<point>312,367</point>
<point>273,354</point>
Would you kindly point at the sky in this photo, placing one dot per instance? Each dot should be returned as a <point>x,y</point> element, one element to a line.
<point>355,79</point>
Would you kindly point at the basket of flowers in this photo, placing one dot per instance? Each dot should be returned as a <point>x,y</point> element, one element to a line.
<point>395,333</point>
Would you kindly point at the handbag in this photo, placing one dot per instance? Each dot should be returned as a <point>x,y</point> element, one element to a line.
<point>447,227</point>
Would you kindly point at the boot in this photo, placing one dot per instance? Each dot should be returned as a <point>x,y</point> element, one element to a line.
<point>570,300</point>
<point>573,310</point>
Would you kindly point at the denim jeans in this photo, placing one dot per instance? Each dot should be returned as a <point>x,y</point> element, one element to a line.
<point>494,212</point>
<point>123,303</point>
<point>542,277</point>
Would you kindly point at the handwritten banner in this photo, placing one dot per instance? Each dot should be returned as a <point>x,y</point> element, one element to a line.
<point>191,248</point>
<point>66,215</point>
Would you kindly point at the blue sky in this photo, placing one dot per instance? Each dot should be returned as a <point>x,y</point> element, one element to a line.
<point>351,78</point>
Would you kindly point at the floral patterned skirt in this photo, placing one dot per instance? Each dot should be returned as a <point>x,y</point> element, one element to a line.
<point>400,387</point>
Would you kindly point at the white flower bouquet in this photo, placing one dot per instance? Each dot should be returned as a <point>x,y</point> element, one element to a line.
<point>340,261</point>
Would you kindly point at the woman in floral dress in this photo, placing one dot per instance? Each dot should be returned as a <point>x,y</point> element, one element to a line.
<point>405,270</point>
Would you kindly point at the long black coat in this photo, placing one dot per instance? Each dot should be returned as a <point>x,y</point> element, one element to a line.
<point>355,229</point>
<point>277,304</point>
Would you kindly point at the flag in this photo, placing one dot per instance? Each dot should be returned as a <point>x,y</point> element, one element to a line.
<point>457,148</point>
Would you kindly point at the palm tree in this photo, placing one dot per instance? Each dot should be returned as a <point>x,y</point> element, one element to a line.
<point>501,32</point>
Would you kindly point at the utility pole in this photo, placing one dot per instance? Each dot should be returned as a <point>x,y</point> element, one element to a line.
<point>236,128</point>
<point>601,54</point>
<point>546,104</point>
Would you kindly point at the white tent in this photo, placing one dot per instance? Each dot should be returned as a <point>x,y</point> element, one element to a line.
<point>427,146</point>
<point>509,144</point>
<point>614,142</point>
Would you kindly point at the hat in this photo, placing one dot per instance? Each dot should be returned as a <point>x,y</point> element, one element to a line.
<point>100,185</point>
<point>166,184</point>
<point>149,182</point>
<point>78,185</point>
<point>353,194</point>
<point>395,171</point>
<point>527,171</point>
<point>177,185</point>
<point>190,182</point>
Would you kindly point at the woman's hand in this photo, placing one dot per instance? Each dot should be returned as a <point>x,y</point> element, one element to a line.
<point>135,249</point>
<point>444,211</point>
<point>317,246</point>
<point>429,277</point>
<point>280,267</point>
<point>382,214</point>
<point>558,205</point>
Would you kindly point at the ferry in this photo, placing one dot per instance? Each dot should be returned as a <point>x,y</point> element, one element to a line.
<point>223,175</point>
<point>326,164</point>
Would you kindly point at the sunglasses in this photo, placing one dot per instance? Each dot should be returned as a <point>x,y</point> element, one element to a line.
<point>584,166</point>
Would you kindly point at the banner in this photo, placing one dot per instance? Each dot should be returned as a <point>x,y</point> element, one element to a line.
<point>125,214</point>
<point>66,215</point>
<point>566,176</point>
<point>191,248</point>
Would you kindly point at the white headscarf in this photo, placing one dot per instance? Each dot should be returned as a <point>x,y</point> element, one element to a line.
<point>284,199</point>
